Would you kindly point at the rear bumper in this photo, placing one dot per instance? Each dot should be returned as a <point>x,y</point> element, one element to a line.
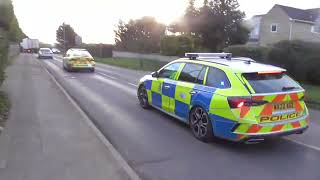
<point>84,66</point>
<point>280,133</point>
<point>71,67</point>
<point>295,126</point>
<point>258,138</point>
<point>237,131</point>
<point>45,57</point>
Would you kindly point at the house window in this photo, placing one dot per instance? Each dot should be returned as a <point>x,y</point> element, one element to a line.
<point>274,28</point>
<point>315,29</point>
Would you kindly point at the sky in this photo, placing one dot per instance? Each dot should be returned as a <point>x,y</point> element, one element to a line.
<point>96,20</point>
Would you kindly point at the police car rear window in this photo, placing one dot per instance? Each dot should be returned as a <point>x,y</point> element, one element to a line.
<point>271,83</point>
<point>81,54</point>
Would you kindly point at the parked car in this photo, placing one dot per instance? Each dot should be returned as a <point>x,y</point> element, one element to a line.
<point>236,99</point>
<point>45,53</point>
<point>55,51</point>
<point>78,59</point>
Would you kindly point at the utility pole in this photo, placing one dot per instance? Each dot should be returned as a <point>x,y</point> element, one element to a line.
<point>64,38</point>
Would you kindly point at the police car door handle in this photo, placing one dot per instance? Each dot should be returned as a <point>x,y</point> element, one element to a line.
<point>193,92</point>
<point>167,87</point>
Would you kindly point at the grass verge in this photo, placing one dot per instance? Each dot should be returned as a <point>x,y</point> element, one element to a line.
<point>131,63</point>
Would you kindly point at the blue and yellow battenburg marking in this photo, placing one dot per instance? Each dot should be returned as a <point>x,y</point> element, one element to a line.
<point>233,124</point>
<point>178,101</point>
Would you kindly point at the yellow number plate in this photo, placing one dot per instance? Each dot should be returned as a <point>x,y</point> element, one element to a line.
<point>283,106</point>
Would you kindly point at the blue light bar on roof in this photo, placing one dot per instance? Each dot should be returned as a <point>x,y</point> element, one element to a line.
<point>227,56</point>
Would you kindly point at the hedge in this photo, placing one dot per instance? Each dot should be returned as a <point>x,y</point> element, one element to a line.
<point>301,59</point>
<point>176,45</point>
<point>3,54</point>
<point>99,50</point>
<point>257,53</point>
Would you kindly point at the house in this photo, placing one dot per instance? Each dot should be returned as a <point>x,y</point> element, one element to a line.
<point>285,23</point>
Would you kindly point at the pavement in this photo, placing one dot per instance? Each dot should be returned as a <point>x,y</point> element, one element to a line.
<point>46,137</point>
<point>159,147</point>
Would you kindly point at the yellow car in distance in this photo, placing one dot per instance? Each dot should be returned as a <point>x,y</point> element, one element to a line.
<point>78,59</point>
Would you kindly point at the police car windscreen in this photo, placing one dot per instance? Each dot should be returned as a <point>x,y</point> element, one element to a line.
<point>271,83</point>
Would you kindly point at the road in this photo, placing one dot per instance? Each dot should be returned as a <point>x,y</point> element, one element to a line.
<point>157,146</point>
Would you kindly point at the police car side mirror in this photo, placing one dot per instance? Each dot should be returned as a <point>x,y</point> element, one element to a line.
<point>155,74</point>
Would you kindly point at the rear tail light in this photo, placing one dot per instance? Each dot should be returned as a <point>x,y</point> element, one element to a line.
<point>239,102</point>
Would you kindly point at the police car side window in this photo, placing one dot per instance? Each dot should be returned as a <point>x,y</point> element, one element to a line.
<point>217,78</point>
<point>170,71</point>
<point>201,76</point>
<point>192,73</point>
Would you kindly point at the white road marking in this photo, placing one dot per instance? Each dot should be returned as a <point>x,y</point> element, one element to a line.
<point>54,66</point>
<point>115,84</point>
<point>303,144</point>
<point>103,74</point>
<point>105,70</point>
<point>57,59</point>
<point>133,84</point>
<point>131,173</point>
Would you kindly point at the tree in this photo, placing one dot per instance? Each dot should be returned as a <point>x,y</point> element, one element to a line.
<point>15,32</point>
<point>216,25</point>
<point>141,35</point>
<point>6,13</point>
<point>9,22</point>
<point>229,24</point>
<point>65,36</point>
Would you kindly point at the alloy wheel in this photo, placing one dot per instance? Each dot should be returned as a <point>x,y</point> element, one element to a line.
<point>143,97</point>
<point>199,122</point>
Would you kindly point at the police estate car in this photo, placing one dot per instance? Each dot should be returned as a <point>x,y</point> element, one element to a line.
<point>78,59</point>
<point>236,99</point>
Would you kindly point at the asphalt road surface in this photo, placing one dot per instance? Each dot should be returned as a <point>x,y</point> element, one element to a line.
<point>157,146</point>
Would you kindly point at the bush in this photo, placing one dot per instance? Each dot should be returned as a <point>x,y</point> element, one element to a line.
<point>257,53</point>
<point>301,59</point>
<point>176,45</point>
<point>99,50</point>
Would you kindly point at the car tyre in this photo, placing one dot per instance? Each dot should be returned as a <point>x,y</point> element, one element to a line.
<point>200,124</point>
<point>143,97</point>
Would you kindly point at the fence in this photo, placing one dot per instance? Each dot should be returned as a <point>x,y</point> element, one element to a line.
<point>121,54</point>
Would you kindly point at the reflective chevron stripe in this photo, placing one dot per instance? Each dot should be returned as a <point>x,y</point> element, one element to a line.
<point>256,129</point>
<point>251,113</point>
